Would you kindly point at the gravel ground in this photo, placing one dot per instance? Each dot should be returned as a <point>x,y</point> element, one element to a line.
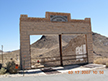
<point>81,73</point>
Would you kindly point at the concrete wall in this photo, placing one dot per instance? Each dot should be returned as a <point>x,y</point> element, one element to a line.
<point>34,26</point>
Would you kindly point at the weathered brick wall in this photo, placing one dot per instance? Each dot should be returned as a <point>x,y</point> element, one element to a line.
<point>36,26</point>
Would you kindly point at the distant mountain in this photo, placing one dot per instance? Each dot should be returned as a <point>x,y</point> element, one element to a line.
<point>46,42</point>
<point>100,45</point>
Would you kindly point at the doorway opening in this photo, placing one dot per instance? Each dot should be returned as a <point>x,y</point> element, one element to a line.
<point>45,51</point>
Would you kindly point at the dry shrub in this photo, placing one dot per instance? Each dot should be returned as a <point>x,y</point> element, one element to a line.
<point>101,61</point>
<point>3,70</point>
<point>11,67</point>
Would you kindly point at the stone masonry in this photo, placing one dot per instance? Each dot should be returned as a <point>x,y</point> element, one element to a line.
<point>41,26</point>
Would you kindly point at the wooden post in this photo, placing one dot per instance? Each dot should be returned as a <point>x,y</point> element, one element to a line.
<point>2,54</point>
<point>86,47</point>
<point>60,47</point>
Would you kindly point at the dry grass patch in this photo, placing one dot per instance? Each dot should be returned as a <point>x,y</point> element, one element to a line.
<point>101,60</point>
<point>106,65</point>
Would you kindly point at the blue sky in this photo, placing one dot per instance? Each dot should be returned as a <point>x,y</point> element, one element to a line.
<point>10,11</point>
